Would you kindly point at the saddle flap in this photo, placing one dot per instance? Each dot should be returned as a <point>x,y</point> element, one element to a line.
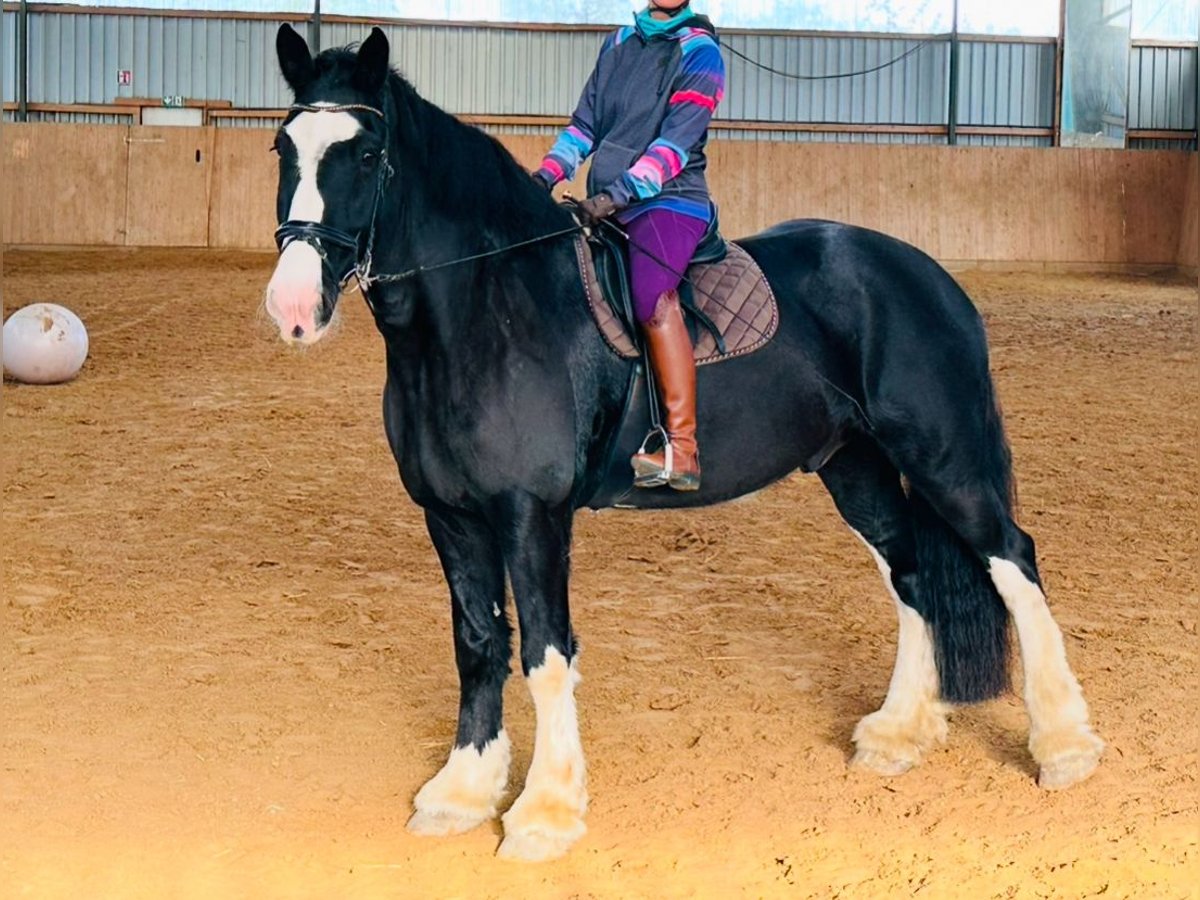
<point>615,334</point>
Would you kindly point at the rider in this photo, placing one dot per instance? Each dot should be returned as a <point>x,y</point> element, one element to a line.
<point>644,113</point>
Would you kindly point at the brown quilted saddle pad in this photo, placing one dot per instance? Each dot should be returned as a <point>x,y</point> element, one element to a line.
<point>733,293</point>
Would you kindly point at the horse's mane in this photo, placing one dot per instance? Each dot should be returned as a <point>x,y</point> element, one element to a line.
<point>466,173</point>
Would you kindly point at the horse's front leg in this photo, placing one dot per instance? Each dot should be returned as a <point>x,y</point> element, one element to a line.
<point>548,816</point>
<point>465,792</point>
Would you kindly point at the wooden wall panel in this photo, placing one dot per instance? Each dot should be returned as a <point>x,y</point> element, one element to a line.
<point>245,172</point>
<point>529,150</point>
<point>1189,240</point>
<point>168,185</point>
<point>956,203</point>
<point>63,184</point>
<point>965,203</point>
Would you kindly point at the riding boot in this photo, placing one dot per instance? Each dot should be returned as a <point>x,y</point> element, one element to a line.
<point>670,350</point>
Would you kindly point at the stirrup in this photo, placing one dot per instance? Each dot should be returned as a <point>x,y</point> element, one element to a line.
<point>647,475</point>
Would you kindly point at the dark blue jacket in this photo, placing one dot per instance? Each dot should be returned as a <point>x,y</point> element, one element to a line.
<point>643,118</point>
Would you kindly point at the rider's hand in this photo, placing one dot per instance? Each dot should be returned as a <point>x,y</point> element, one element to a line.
<point>542,179</point>
<point>595,208</point>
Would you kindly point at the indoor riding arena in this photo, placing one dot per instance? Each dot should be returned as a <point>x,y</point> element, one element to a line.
<point>227,651</point>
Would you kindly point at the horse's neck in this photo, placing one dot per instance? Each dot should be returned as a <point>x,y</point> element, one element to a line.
<point>463,193</point>
<point>469,306</point>
<point>476,308</point>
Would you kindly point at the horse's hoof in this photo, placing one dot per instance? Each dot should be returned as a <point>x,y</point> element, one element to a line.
<point>1066,771</point>
<point>539,828</point>
<point>1066,756</point>
<point>882,763</point>
<point>1071,766</point>
<point>890,746</point>
<point>535,846</point>
<point>441,824</point>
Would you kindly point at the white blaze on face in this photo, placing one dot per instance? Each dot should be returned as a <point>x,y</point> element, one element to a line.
<point>294,292</point>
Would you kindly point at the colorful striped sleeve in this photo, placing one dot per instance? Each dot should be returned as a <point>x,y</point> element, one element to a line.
<point>577,141</point>
<point>696,92</point>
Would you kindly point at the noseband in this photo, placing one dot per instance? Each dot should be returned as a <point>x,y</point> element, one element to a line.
<point>319,236</point>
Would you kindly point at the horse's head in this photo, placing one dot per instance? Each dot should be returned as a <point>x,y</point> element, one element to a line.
<point>333,169</point>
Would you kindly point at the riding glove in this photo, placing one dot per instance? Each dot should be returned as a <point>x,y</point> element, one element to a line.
<point>595,208</point>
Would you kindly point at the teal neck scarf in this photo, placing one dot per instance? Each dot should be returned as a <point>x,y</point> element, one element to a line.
<point>651,28</point>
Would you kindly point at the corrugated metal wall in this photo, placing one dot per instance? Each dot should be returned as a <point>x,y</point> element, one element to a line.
<point>911,92</point>
<point>1006,84</point>
<point>486,70</point>
<point>74,58</point>
<point>8,56</point>
<point>1162,94</point>
<point>1162,88</point>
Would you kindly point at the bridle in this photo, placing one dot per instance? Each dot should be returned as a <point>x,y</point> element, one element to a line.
<point>320,236</point>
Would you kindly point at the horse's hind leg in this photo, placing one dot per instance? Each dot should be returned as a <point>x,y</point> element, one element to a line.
<point>548,816</point>
<point>465,792</point>
<point>867,491</point>
<point>1060,739</point>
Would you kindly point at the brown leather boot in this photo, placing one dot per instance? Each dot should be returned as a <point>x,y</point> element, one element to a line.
<point>670,350</point>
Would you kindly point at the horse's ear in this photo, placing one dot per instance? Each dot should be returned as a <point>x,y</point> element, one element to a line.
<point>371,68</point>
<point>295,61</point>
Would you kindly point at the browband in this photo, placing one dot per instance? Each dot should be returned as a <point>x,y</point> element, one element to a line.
<point>340,107</point>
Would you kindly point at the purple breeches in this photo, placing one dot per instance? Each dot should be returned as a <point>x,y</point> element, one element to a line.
<point>671,238</point>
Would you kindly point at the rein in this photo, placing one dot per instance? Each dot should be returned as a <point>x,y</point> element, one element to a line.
<point>410,273</point>
<point>317,235</point>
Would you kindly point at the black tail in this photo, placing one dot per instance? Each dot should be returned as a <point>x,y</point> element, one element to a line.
<point>967,618</point>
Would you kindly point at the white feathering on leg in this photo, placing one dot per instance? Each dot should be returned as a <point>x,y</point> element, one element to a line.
<point>548,816</point>
<point>912,718</point>
<point>466,790</point>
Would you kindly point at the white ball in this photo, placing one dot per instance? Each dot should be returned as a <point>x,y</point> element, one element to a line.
<point>44,343</point>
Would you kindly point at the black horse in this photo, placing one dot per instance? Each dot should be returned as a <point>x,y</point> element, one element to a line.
<point>501,396</point>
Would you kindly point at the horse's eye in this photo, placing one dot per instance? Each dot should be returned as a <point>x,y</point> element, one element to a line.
<point>368,158</point>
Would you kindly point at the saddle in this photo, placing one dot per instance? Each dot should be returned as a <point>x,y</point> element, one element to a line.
<point>727,302</point>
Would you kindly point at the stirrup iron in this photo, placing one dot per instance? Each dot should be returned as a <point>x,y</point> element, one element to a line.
<point>652,476</point>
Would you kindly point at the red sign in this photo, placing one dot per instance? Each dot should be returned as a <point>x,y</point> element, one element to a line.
<point>124,76</point>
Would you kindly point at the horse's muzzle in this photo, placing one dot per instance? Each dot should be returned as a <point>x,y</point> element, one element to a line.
<point>295,295</point>
<point>299,322</point>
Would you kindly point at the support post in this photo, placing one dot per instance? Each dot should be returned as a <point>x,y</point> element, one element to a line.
<point>314,39</point>
<point>23,62</point>
<point>1058,72</point>
<point>952,112</point>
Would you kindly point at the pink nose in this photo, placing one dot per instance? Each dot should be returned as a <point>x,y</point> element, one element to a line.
<point>294,311</point>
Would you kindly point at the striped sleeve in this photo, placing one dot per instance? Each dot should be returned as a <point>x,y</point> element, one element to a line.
<point>693,100</point>
<point>573,146</point>
<point>576,142</point>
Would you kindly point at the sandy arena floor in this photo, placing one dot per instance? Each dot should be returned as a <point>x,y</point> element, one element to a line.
<point>226,664</point>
